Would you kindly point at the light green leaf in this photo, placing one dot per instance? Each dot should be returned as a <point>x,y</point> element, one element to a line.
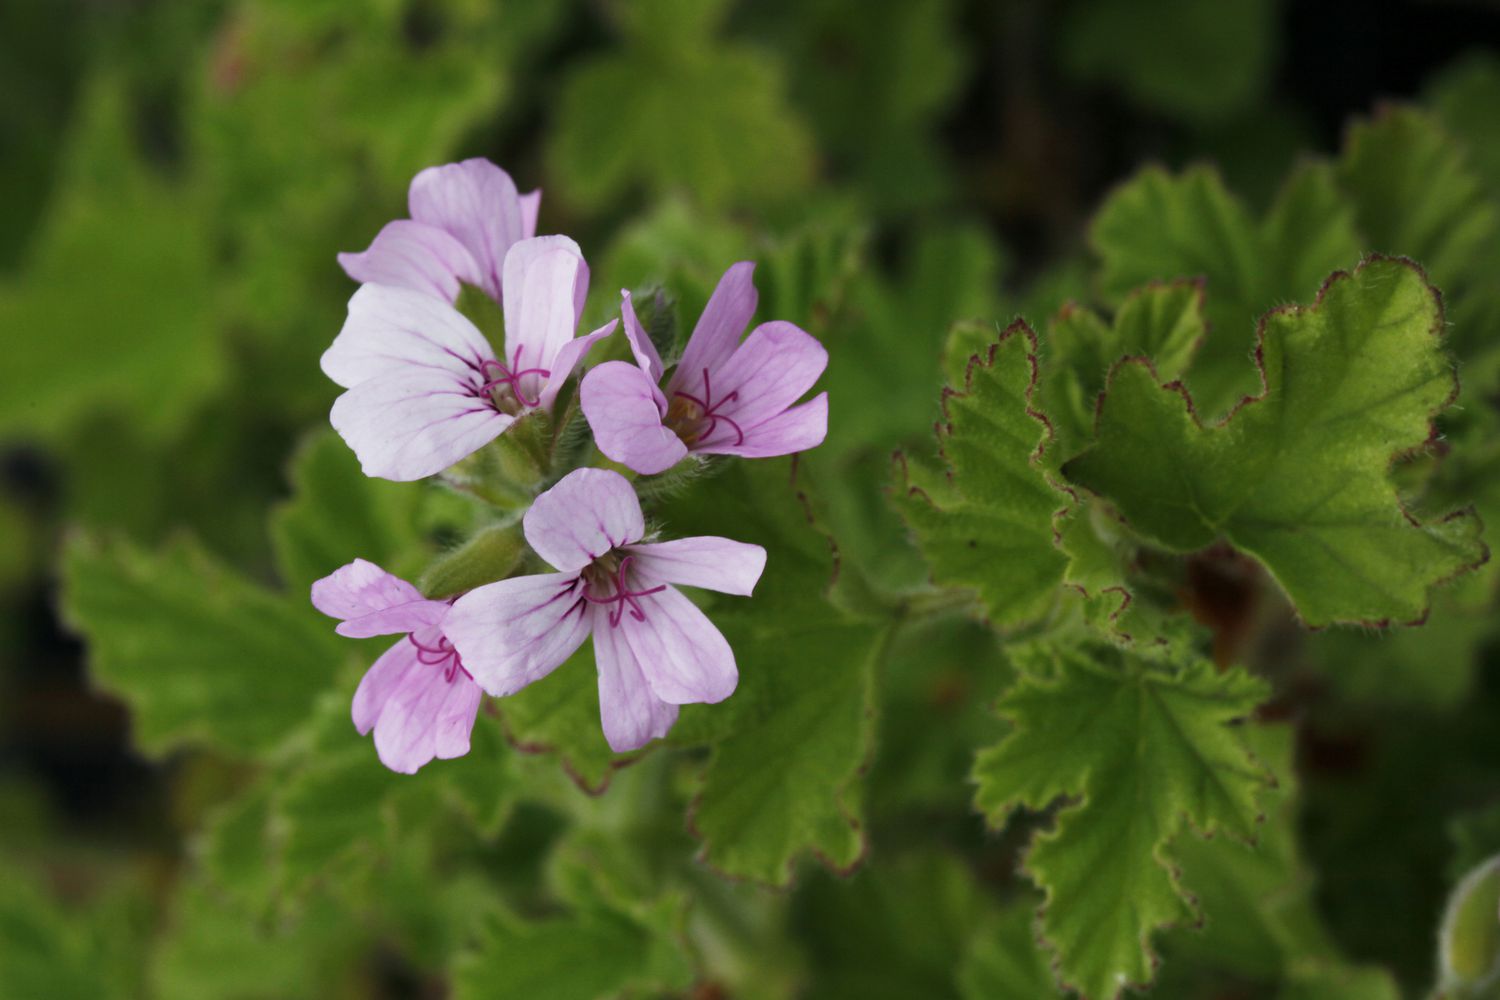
<point>1003,959</point>
<point>1142,750</point>
<point>1298,477</point>
<point>986,522</point>
<point>789,746</point>
<point>1331,981</point>
<point>677,110</point>
<point>200,654</point>
<point>1469,939</point>
<point>1160,226</point>
<point>112,305</point>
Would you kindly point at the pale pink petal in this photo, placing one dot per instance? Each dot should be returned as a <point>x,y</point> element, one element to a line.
<point>385,675</point>
<point>427,715</point>
<point>518,630</point>
<point>413,255</point>
<point>531,207</point>
<point>685,657</point>
<point>725,317</point>
<point>798,429</point>
<point>720,564</point>
<point>620,403</point>
<point>409,425</point>
<point>568,357</point>
<point>771,370</point>
<point>640,343</point>
<point>546,282</point>
<point>405,618</point>
<point>587,513</point>
<point>631,714</point>
<point>397,329</point>
<point>361,588</point>
<point>478,204</point>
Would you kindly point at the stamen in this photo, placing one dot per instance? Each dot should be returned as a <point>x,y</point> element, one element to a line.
<point>623,596</point>
<point>442,653</point>
<point>707,411</point>
<point>510,377</point>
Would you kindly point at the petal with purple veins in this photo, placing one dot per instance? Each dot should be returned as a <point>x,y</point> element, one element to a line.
<point>706,561</point>
<point>632,715</point>
<point>685,657</point>
<point>718,330</point>
<point>587,513</point>
<point>396,329</point>
<point>478,204</point>
<point>413,255</point>
<point>620,402</point>
<point>517,631</point>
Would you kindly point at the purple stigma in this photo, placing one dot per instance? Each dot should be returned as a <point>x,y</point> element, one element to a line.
<point>442,653</point>
<point>510,376</point>
<point>709,409</point>
<point>623,596</point>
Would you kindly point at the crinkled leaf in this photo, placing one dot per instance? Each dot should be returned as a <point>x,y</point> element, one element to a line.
<point>199,653</point>
<point>1298,476</point>
<point>986,522</point>
<point>788,747</point>
<point>1140,750</point>
<point>1159,226</point>
<point>559,714</point>
<point>677,110</point>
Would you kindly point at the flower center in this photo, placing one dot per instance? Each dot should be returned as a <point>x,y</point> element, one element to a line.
<point>442,655</point>
<point>693,419</point>
<point>503,384</point>
<point>605,582</point>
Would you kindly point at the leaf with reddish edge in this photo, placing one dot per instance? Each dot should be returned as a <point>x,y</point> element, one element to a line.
<point>988,521</point>
<point>1298,475</point>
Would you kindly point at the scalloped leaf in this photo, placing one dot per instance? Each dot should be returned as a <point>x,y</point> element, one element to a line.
<point>200,654</point>
<point>1299,476</point>
<point>1140,749</point>
<point>987,521</point>
<point>789,746</point>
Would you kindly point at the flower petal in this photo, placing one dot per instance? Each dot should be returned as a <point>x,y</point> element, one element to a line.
<point>426,716</point>
<point>518,630</point>
<point>640,344</point>
<point>771,370</point>
<point>725,317</point>
<point>409,425</point>
<point>631,714</point>
<point>385,675</point>
<point>620,403</point>
<point>360,588</point>
<point>397,329</point>
<point>720,564</point>
<point>587,513</point>
<point>684,656</point>
<point>531,207</point>
<point>799,429</point>
<point>546,281</point>
<point>477,203</point>
<point>567,358</point>
<point>413,255</point>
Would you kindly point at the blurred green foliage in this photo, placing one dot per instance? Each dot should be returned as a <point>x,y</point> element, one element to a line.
<point>181,177</point>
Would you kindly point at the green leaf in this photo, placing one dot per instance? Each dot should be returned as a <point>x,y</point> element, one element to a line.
<point>1298,476</point>
<point>677,110</point>
<point>1163,322</point>
<point>48,953</point>
<point>1003,959</point>
<point>987,521</point>
<point>597,952</point>
<point>1415,193</point>
<point>200,654</point>
<point>1141,749</point>
<point>1159,226</point>
<point>1469,939</point>
<point>114,296</point>
<point>789,746</point>
<point>1178,56</point>
<point>1328,981</point>
<point>337,513</point>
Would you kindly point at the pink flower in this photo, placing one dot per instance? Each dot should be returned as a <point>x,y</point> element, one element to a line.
<point>464,219</point>
<point>723,398</point>
<point>653,648</point>
<point>424,387</point>
<point>418,697</point>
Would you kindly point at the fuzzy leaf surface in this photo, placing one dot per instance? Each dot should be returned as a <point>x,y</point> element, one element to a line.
<point>1298,476</point>
<point>986,522</point>
<point>1141,750</point>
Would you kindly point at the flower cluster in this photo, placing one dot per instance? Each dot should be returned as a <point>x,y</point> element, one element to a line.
<point>425,390</point>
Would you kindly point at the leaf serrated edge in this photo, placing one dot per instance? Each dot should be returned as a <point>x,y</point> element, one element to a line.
<point>1293,309</point>
<point>787,875</point>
